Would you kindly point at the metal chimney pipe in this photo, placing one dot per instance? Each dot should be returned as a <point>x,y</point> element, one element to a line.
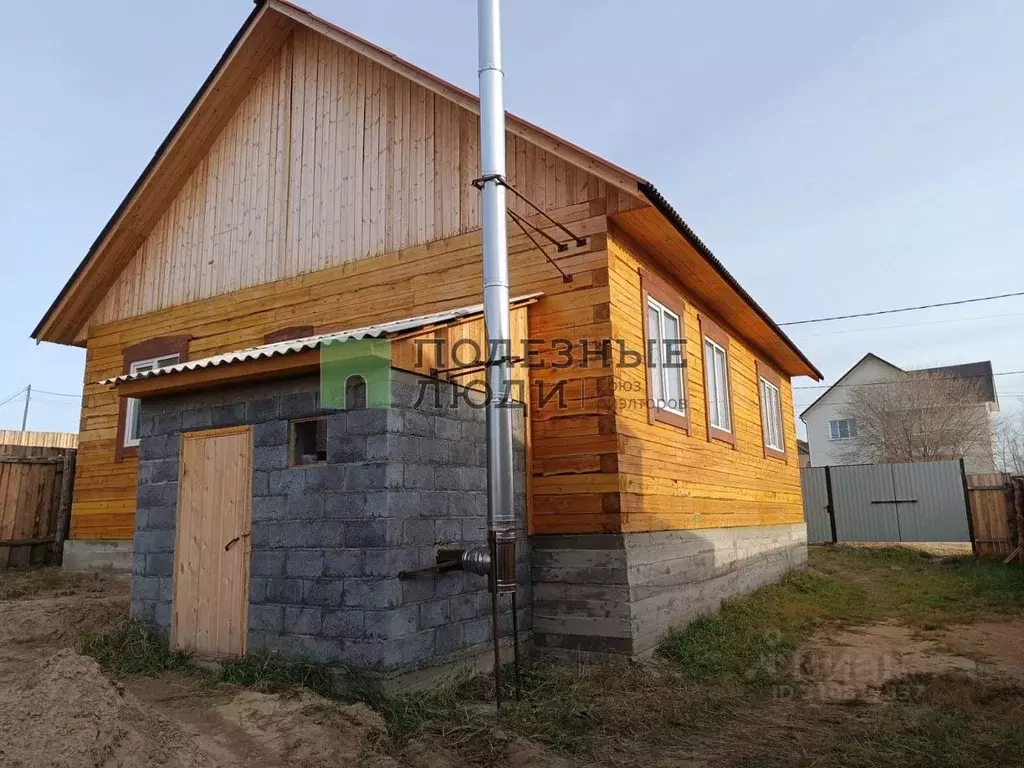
<point>500,506</point>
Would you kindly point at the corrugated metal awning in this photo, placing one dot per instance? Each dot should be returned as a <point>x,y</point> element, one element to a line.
<point>380,331</point>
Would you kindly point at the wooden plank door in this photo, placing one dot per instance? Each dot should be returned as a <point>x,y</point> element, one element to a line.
<point>211,573</point>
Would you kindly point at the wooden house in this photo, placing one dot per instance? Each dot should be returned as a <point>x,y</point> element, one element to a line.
<point>318,184</point>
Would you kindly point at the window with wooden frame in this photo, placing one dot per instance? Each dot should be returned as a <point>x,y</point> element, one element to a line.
<point>717,384</point>
<point>665,360</point>
<point>145,356</point>
<point>307,441</point>
<point>769,388</point>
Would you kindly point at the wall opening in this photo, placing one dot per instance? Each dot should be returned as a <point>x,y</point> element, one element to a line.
<point>308,442</point>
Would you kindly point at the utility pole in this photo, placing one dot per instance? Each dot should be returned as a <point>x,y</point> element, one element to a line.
<point>28,398</point>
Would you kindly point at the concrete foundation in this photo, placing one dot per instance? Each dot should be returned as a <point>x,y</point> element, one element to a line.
<point>97,555</point>
<point>615,595</point>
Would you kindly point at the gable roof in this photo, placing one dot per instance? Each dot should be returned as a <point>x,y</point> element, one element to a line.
<point>262,33</point>
<point>852,368</point>
<point>980,372</point>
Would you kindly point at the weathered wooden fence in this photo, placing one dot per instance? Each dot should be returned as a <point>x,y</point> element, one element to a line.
<point>36,486</point>
<point>11,440</point>
<point>997,507</point>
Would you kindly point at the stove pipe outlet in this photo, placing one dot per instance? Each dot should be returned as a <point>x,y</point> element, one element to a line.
<point>500,506</point>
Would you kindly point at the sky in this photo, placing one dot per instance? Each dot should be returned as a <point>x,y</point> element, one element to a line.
<point>837,157</point>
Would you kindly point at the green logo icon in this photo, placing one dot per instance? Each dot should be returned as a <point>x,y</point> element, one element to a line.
<point>355,369</point>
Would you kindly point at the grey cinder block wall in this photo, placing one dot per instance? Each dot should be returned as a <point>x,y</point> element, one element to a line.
<point>329,540</point>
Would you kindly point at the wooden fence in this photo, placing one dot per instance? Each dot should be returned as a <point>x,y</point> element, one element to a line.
<point>997,505</point>
<point>11,440</point>
<point>35,504</point>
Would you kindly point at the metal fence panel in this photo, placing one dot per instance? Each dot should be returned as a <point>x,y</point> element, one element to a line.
<point>815,493</point>
<point>932,505</point>
<point>862,496</point>
<point>887,502</point>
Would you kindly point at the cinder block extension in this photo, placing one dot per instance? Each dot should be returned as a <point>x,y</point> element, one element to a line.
<point>329,540</point>
<point>617,594</point>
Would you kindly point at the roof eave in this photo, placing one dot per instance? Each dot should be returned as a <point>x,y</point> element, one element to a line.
<point>44,326</point>
<point>665,208</point>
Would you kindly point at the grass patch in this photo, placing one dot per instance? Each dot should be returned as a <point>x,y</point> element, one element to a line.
<point>133,648</point>
<point>749,640</point>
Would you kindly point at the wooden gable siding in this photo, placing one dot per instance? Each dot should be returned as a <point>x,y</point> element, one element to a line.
<point>671,480</point>
<point>439,275</point>
<point>329,159</point>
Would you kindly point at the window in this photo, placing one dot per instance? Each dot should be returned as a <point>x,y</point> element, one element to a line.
<point>842,429</point>
<point>716,363</point>
<point>131,422</point>
<point>666,355</point>
<point>769,385</point>
<point>666,367</point>
<point>308,442</point>
<point>716,381</point>
<point>355,393</point>
<point>144,356</point>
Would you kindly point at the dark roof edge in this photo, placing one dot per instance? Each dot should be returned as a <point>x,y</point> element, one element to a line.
<point>150,165</point>
<point>665,207</point>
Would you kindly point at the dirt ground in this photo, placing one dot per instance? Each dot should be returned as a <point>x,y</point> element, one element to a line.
<point>60,709</point>
<point>855,664</point>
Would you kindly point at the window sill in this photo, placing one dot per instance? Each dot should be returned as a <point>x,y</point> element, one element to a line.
<point>774,453</point>
<point>661,416</point>
<point>722,436</point>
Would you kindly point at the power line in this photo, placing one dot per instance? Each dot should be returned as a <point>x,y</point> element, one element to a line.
<point>937,378</point>
<point>56,394</point>
<point>904,309</point>
<point>17,394</point>
<point>914,325</point>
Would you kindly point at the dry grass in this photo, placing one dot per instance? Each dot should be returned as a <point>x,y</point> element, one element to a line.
<point>29,583</point>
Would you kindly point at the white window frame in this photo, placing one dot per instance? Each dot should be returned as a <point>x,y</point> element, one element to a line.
<point>771,416</point>
<point>658,369</point>
<point>851,430</point>
<point>131,416</point>
<point>710,371</point>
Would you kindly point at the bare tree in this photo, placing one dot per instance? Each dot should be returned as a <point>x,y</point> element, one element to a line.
<point>1010,442</point>
<point>920,416</point>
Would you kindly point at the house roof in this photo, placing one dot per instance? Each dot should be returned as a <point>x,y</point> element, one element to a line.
<point>979,371</point>
<point>264,30</point>
<point>265,351</point>
<point>851,369</point>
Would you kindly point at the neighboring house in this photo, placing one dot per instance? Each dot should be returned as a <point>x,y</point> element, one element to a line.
<point>832,431</point>
<point>804,453</point>
<point>320,185</point>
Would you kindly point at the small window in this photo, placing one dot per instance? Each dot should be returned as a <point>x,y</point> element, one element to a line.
<point>716,368</point>
<point>842,429</point>
<point>771,415</point>
<point>308,442</point>
<point>131,424</point>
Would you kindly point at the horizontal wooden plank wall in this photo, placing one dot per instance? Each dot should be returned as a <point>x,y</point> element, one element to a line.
<point>671,480</point>
<point>440,275</point>
<point>330,158</point>
<point>30,489</point>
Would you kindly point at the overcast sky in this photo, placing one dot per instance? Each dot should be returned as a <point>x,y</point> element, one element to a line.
<point>838,157</point>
